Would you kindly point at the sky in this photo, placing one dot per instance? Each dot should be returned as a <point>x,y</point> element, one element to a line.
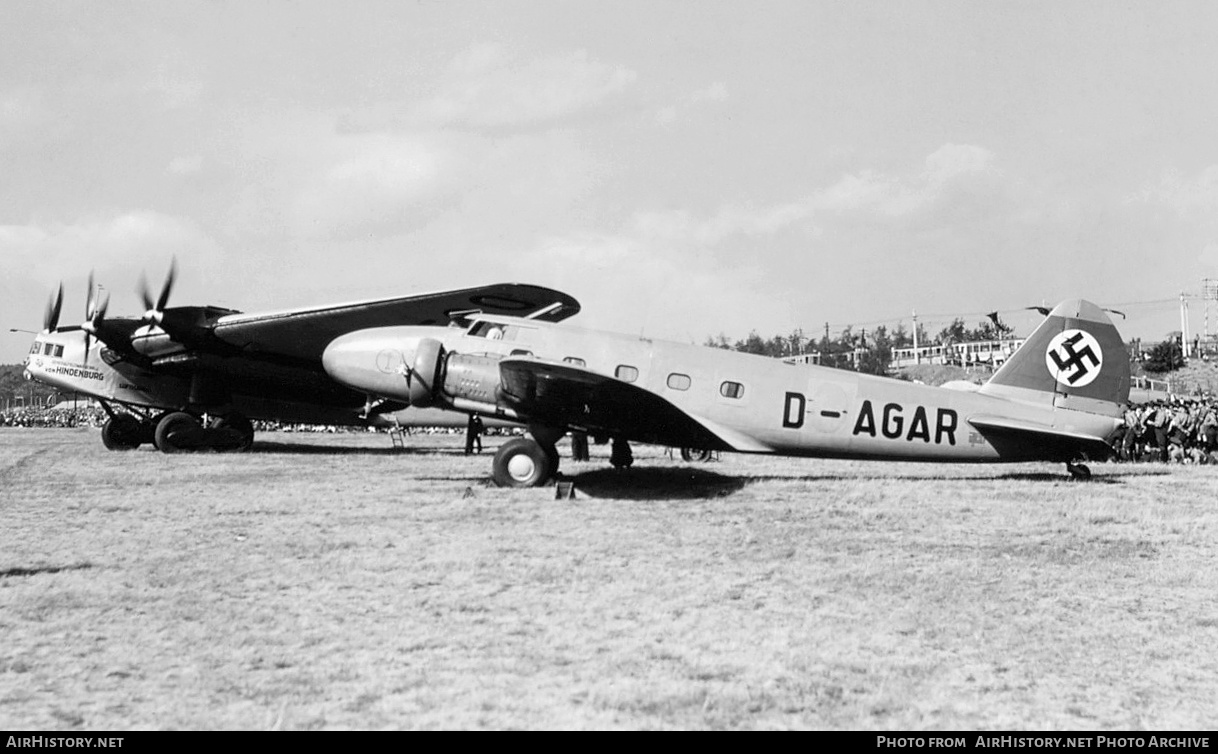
<point>684,169</point>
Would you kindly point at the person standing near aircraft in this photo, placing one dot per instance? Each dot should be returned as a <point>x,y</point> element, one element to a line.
<point>473,435</point>
<point>1133,430</point>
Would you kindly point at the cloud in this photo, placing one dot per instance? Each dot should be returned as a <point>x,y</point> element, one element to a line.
<point>881,196</point>
<point>186,165</point>
<point>140,238</point>
<point>714,93</point>
<point>372,182</point>
<point>486,88</point>
<point>1193,205</point>
<point>1185,196</point>
<point>21,110</point>
<point>639,288</point>
<point>681,227</point>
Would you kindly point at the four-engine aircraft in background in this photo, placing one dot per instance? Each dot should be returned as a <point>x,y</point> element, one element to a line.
<point>192,377</point>
<point>1058,398</point>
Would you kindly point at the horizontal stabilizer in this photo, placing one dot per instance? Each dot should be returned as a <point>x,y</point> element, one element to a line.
<point>1053,440</point>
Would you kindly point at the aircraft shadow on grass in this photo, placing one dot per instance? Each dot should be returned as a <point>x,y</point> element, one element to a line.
<point>666,483</point>
<point>1038,476</point>
<point>690,484</point>
<point>8,573</point>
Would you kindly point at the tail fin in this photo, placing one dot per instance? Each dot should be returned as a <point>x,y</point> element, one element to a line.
<point>1075,360</point>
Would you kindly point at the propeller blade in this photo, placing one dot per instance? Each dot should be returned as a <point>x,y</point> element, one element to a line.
<point>51,319</point>
<point>91,299</point>
<point>154,310</point>
<point>145,296</point>
<point>102,306</point>
<point>168,287</point>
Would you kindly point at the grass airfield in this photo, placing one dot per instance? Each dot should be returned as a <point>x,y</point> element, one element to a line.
<point>326,581</point>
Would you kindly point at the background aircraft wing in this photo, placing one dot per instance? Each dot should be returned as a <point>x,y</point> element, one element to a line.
<point>1040,440</point>
<point>304,333</point>
<point>568,396</point>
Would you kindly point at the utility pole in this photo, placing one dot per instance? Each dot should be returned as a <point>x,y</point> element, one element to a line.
<point>917,354</point>
<point>1183,326</point>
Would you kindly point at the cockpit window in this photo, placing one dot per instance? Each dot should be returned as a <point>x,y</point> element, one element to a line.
<point>492,331</point>
<point>58,352</point>
<point>36,348</point>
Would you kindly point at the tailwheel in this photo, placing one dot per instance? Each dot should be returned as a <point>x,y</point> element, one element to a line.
<point>121,432</point>
<point>521,463</point>
<point>1079,471</point>
<point>232,432</point>
<point>180,432</point>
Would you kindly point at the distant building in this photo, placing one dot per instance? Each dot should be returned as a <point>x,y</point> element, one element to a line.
<point>986,353</point>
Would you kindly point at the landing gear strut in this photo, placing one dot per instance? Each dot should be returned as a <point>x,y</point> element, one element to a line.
<point>620,455</point>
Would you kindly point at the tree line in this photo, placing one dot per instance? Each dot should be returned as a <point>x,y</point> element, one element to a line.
<point>868,351</point>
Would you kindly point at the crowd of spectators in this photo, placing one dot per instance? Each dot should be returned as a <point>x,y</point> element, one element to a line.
<point>1179,430</point>
<point>36,416</point>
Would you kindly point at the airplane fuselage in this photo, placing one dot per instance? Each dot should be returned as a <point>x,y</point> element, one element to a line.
<point>757,403</point>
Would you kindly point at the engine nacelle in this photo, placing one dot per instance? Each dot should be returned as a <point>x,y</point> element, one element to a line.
<point>473,377</point>
<point>414,370</point>
<point>439,377</point>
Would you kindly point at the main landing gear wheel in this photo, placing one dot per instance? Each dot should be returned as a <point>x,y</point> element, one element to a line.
<point>1079,471</point>
<point>121,432</point>
<point>521,463</point>
<point>179,432</point>
<point>701,455</point>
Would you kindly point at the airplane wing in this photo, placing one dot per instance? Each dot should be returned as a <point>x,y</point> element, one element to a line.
<point>1048,440</point>
<point>302,334</point>
<point>569,396</point>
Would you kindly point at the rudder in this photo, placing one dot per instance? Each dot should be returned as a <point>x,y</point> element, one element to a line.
<point>1074,360</point>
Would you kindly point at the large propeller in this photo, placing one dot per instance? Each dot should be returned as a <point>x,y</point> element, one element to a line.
<point>50,320</point>
<point>154,312</point>
<point>95,312</point>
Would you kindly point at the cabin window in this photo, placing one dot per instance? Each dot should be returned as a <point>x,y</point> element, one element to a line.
<point>626,373</point>
<point>731,389</point>
<point>58,352</point>
<point>575,360</point>
<point>678,381</point>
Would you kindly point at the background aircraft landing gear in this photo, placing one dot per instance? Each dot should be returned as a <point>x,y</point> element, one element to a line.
<point>1079,471</point>
<point>233,432</point>
<point>521,462</point>
<point>179,432</point>
<point>122,432</point>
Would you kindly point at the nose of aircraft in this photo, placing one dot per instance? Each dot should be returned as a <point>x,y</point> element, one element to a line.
<point>371,362</point>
